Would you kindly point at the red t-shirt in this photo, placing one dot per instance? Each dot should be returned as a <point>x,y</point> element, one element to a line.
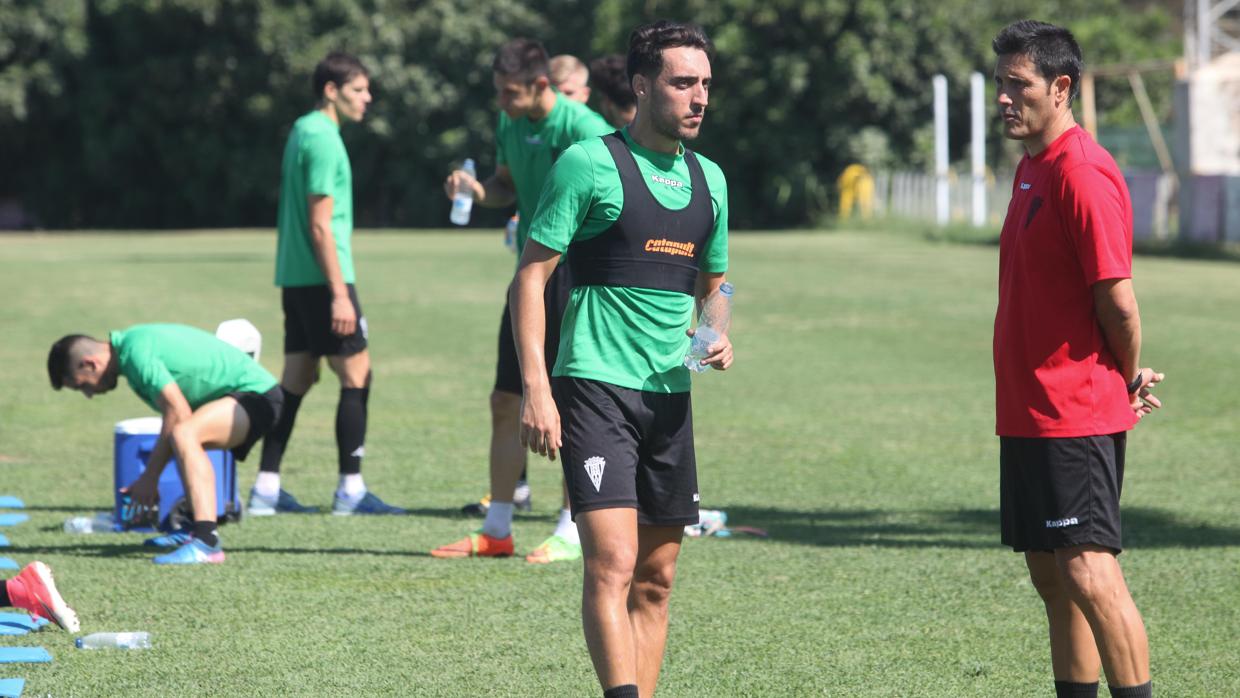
<point>1069,225</point>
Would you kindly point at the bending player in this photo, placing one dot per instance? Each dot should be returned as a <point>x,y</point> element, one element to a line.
<point>211,395</point>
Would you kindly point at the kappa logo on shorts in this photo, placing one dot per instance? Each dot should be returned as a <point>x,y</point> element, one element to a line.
<point>359,452</point>
<point>594,468</point>
<point>361,322</point>
<point>1062,523</point>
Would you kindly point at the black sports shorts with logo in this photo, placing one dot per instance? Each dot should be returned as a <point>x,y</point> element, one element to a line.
<point>264,410</point>
<point>308,323</point>
<point>1060,493</point>
<point>555,300</point>
<point>624,448</point>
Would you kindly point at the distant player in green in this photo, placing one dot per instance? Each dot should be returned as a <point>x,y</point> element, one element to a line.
<point>210,393</point>
<point>643,223</point>
<point>536,125</point>
<point>314,269</point>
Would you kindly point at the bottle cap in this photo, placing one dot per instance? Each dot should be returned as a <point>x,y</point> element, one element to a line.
<point>726,288</point>
<point>78,643</point>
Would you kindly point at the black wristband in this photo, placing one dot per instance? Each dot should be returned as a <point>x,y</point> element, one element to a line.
<point>1135,385</point>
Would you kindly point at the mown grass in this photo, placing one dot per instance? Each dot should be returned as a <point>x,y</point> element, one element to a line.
<point>856,427</point>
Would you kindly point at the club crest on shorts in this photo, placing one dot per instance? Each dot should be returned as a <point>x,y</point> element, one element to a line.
<point>594,468</point>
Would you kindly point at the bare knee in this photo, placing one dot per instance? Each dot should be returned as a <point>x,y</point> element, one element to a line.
<point>1089,580</point>
<point>652,585</point>
<point>1046,577</point>
<point>610,571</point>
<point>184,436</point>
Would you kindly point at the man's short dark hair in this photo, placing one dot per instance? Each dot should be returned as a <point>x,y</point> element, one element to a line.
<point>608,75</point>
<point>521,59</point>
<point>337,68</point>
<point>1052,50</point>
<point>647,42</point>
<point>60,358</point>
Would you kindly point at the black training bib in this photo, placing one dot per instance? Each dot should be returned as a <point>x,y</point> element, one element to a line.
<point>649,245</point>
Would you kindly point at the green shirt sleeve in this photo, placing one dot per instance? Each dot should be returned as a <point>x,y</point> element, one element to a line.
<point>715,257</point>
<point>320,162</point>
<point>565,199</point>
<point>591,125</point>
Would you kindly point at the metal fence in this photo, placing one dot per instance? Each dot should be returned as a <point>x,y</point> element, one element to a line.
<point>911,195</point>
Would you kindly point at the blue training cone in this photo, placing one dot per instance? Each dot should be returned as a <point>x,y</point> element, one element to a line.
<point>12,688</point>
<point>11,519</point>
<point>8,501</point>
<point>22,620</point>
<point>8,563</point>
<point>4,541</point>
<point>24,654</point>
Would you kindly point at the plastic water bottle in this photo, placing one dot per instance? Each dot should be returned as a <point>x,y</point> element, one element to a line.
<point>711,522</point>
<point>510,232</point>
<point>122,641</point>
<point>712,323</point>
<point>463,201</point>
<point>99,523</point>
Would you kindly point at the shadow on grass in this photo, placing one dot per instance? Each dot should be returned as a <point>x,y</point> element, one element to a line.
<point>1144,527</point>
<point>83,549</point>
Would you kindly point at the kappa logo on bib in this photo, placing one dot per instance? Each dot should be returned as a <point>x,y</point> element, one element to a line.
<point>594,468</point>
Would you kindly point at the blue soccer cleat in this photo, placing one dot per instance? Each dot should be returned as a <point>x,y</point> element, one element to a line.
<point>174,539</point>
<point>365,504</point>
<point>195,552</point>
<point>283,503</point>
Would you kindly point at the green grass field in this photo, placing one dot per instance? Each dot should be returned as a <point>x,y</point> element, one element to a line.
<point>856,426</point>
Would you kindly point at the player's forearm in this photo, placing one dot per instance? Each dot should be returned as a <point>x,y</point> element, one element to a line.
<point>529,326</point>
<point>324,243</point>
<point>1121,327</point>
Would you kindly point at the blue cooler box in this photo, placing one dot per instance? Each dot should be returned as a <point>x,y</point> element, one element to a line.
<point>135,439</point>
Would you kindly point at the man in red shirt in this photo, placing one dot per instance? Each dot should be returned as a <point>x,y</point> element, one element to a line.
<point>1066,351</point>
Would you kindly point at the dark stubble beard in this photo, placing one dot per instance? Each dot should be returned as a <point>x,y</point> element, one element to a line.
<point>668,126</point>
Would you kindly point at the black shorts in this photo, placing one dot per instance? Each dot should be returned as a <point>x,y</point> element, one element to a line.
<point>629,449</point>
<point>308,323</point>
<point>1060,493</point>
<point>264,411</point>
<point>555,300</point>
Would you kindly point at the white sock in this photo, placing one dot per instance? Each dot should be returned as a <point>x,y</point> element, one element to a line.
<point>566,529</point>
<point>267,484</point>
<point>498,523</point>
<point>351,486</point>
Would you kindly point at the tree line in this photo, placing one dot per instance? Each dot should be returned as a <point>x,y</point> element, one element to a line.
<point>173,113</point>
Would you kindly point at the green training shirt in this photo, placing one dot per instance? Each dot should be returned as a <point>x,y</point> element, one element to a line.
<point>203,366</point>
<point>529,149</point>
<point>631,337</point>
<point>315,162</point>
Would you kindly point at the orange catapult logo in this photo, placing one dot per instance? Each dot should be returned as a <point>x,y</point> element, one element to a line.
<point>676,249</point>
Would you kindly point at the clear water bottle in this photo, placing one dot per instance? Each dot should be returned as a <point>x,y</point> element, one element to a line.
<point>123,641</point>
<point>712,323</point>
<point>99,523</point>
<point>711,522</point>
<point>463,201</point>
<point>510,232</point>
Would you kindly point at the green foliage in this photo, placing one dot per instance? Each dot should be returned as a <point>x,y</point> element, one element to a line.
<point>173,113</point>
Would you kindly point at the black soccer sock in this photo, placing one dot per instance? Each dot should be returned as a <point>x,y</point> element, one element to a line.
<point>1145,690</point>
<point>524,477</point>
<point>5,601</point>
<point>276,440</point>
<point>628,690</point>
<point>1068,689</point>
<point>205,531</point>
<point>351,428</point>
